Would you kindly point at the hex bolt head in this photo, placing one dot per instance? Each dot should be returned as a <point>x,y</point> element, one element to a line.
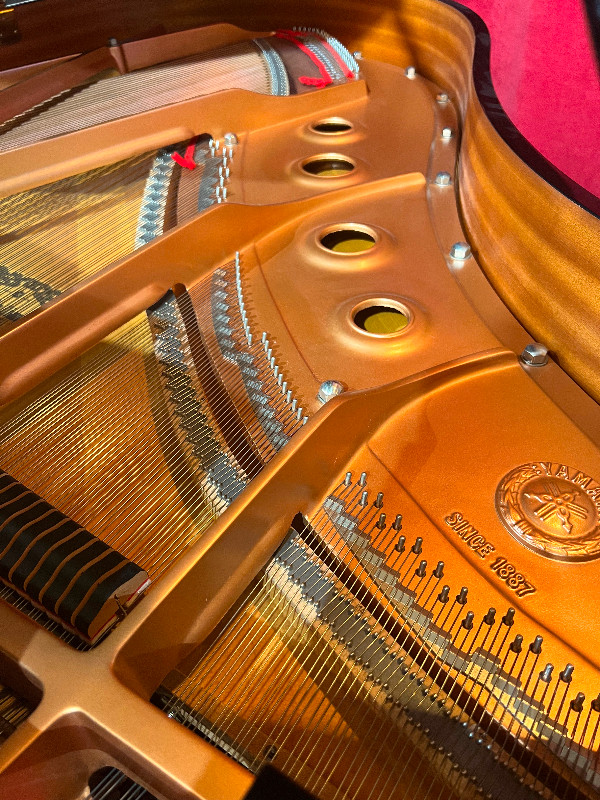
<point>446,133</point>
<point>410,73</point>
<point>230,139</point>
<point>328,390</point>
<point>460,251</point>
<point>442,98</point>
<point>443,179</point>
<point>535,355</point>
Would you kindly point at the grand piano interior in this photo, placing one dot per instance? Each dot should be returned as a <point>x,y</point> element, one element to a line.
<point>299,424</point>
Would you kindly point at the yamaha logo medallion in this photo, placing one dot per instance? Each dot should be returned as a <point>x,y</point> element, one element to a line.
<point>553,509</point>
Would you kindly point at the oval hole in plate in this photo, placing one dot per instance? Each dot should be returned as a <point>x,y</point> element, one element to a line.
<point>332,127</point>
<point>380,319</point>
<point>328,166</point>
<point>348,240</point>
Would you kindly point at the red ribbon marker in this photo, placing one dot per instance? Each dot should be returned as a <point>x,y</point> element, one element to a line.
<point>325,78</point>
<point>187,160</point>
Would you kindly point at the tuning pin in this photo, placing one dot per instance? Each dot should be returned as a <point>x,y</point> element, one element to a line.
<point>417,547</point>
<point>567,674</point>
<point>536,646</point>
<point>467,622</point>
<point>546,673</point>
<point>420,571</point>
<point>381,522</point>
<point>517,644</point>
<point>577,702</point>
<point>397,525</point>
<point>596,704</point>
<point>461,598</point>
<point>444,595</point>
<point>490,617</point>
<point>364,499</point>
<point>401,544</point>
<point>509,617</point>
<point>378,503</point>
<point>348,479</point>
<point>362,481</point>
<point>438,572</point>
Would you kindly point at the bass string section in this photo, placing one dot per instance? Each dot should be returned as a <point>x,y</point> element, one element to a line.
<point>238,66</point>
<point>54,236</point>
<point>356,671</point>
<point>260,65</point>
<point>147,439</point>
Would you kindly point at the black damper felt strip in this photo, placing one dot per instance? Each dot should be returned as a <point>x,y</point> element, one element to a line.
<point>5,480</point>
<point>101,594</point>
<point>60,553</point>
<point>53,560</point>
<point>18,496</point>
<point>23,538</point>
<point>62,527</point>
<point>68,571</point>
<point>90,576</point>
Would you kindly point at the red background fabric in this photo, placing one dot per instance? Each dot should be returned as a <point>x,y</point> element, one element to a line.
<point>545,75</point>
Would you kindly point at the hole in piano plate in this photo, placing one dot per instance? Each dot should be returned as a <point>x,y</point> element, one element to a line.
<point>335,126</point>
<point>109,783</point>
<point>18,697</point>
<point>349,240</point>
<point>328,165</point>
<point>380,317</point>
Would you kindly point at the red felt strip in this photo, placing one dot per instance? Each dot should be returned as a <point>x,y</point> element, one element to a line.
<point>325,78</point>
<point>343,66</point>
<point>187,160</point>
<point>341,63</point>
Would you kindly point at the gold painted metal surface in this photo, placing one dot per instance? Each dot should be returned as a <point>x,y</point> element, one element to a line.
<point>438,414</point>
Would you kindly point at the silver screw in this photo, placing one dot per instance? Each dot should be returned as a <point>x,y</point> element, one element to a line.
<point>443,179</point>
<point>328,390</point>
<point>535,355</point>
<point>357,55</point>
<point>446,133</point>
<point>410,73</point>
<point>442,98</point>
<point>230,139</point>
<point>460,251</point>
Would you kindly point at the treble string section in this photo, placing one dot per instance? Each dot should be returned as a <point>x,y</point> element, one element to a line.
<point>375,666</point>
<point>109,783</point>
<point>307,722</point>
<point>13,711</point>
<point>359,674</point>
